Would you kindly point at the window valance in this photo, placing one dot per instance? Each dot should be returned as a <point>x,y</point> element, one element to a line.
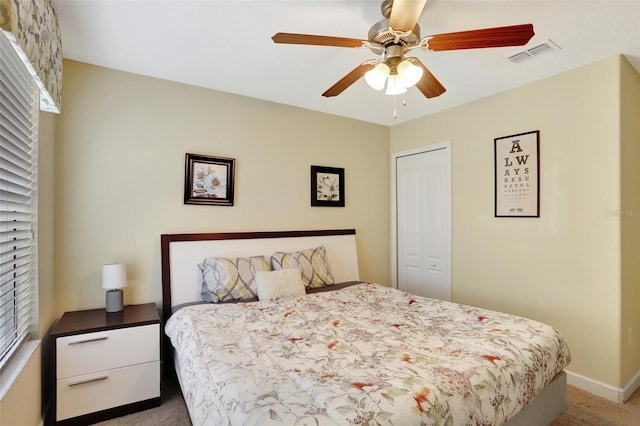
<point>32,27</point>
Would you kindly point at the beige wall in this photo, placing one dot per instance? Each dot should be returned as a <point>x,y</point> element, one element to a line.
<point>120,148</point>
<point>630,216</point>
<point>564,267</point>
<point>21,406</point>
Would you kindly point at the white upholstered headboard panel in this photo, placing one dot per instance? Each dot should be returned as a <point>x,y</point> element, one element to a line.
<point>181,254</point>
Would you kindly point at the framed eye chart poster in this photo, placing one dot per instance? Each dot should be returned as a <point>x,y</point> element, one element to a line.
<point>517,177</point>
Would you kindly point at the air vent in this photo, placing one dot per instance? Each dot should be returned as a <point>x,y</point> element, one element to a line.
<point>519,57</point>
<point>546,46</point>
<point>540,49</point>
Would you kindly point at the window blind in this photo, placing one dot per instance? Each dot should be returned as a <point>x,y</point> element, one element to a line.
<point>19,100</point>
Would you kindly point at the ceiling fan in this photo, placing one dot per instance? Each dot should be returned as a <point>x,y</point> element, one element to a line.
<point>394,36</point>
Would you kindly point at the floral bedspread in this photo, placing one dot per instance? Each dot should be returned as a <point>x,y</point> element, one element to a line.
<point>366,354</point>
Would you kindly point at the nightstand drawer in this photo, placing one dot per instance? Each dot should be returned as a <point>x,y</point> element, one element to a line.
<point>107,389</point>
<point>105,350</point>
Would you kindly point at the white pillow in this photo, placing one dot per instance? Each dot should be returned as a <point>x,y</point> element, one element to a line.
<point>274,285</point>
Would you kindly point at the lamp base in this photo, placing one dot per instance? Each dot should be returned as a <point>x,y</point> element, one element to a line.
<point>114,301</point>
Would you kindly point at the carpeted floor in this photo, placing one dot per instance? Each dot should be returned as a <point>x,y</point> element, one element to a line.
<point>587,409</point>
<point>584,409</point>
<point>172,412</point>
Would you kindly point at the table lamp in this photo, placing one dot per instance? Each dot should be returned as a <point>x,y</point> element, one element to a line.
<point>114,278</point>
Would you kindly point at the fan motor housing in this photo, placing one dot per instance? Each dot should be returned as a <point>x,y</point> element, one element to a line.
<point>381,34</point>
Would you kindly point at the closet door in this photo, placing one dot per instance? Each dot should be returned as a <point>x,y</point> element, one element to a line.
<point>423,203</point>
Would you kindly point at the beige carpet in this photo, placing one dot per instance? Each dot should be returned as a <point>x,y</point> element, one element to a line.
<point>584,409</point>
<point>172,412</point>
<point>587,409</point>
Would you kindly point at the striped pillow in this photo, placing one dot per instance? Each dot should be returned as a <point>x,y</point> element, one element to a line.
<point>313,264</point>
<point>230,279</point>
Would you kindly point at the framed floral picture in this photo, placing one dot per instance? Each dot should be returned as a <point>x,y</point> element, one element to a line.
<point>327,186</point>
<point>208,180</point>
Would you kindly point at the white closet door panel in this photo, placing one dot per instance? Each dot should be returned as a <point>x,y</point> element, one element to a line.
<point>423,215</point>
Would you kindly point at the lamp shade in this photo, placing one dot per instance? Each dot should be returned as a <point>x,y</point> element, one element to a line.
<point>377,76</point>
<point>114,276</point>
<point>394,85</point>
<point>409,73</point>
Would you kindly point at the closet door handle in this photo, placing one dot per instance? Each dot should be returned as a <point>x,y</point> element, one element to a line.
<point>91,380</point>
<point>95,339</point>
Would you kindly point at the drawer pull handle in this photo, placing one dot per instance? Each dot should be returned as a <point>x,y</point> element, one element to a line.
<point>96,339</point>
<point>93,379</point>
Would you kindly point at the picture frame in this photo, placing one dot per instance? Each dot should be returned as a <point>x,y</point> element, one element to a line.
<point>209,180</point>
<point>327,187</point>
<point>517,175</point>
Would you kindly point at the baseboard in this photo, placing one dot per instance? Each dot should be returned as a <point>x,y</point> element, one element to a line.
<point>603,390</point>
<point>631,387</point>
<point>594,387</point>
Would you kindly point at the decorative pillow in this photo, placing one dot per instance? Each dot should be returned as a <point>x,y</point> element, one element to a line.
<point>226,279</point>
<point>312,263</point>
<point>274,285</point>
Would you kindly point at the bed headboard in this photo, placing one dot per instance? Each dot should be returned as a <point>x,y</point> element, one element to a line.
<point>181,254</point>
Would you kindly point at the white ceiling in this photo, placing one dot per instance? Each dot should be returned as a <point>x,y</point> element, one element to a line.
<point>227,46</point>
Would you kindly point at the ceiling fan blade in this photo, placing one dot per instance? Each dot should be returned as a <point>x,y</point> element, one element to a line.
<point>346,81</point>
<point>405,14</point>
<point>428,84</point>
<point>515,35</point>
<point>318,40</point>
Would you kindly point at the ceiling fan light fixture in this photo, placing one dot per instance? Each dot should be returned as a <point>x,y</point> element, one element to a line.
<point>409,73</point>
<point>377,76</point>
<point>395,85</point>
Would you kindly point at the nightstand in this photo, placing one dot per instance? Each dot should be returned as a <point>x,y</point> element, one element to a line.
<point>105,365</point>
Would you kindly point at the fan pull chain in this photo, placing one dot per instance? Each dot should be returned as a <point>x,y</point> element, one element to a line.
<point>395,111</point>
<point>404,103</point>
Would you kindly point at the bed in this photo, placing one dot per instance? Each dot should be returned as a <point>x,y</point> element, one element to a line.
<point>349,353</point>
